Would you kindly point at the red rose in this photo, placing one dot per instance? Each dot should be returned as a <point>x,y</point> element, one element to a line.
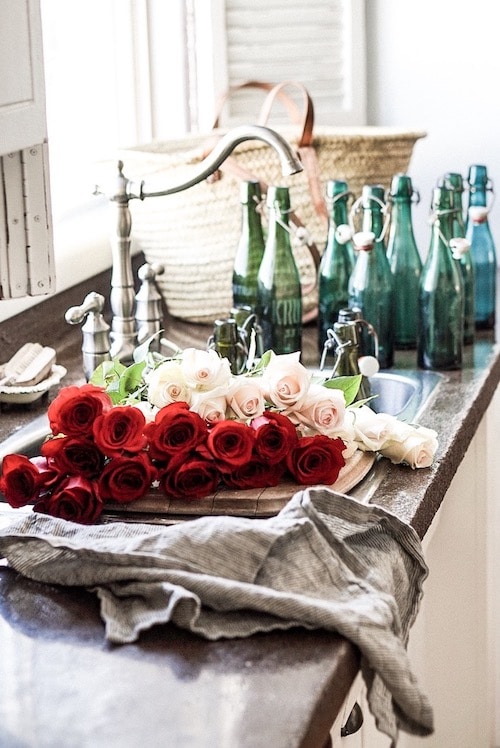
<point>73,456</point>
<point>316,459</point>
<point>231,442</point>
<point>175,430</point>
<point>275,436</point>
<point>74,498</point>
<point>75,409</point>
<point>254,474</point>
<point>126,479</point>
<point>190,477</point>
<point>21,480</point>
<point>49,475</point>
<point>120,430</point>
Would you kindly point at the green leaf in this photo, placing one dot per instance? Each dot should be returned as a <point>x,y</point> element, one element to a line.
<point>261,365</point>
<point>131,379</point>
<point>348,385</point>
<point>142,350</point>
<point>106,373</point>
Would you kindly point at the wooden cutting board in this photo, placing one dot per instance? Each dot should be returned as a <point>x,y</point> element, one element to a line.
<point>262,502</point>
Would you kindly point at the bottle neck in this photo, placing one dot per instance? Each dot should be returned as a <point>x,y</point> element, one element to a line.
<point>373,220</point>
<point>442,231</point>
<point>339,213</point>
<point>401,213</point>
<point>458,224</point>
<point>478,195</point>
<point>278,228</point>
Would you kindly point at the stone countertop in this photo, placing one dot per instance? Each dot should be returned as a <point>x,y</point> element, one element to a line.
<point>235,692</point>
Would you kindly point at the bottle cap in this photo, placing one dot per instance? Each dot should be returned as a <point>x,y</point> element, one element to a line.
<point>279,195</point>
<point>478,175</point>
<point>335,187</point>
<point>372,195</point>
<point>364,240</point>
<point>459,247</point>
<point>349,314</point>
<point>401,186</point>
<point>478,213</point>
<point>442,198</point>
<point>452,180</point>
<point>249,190</point>
<point>343,233</point>
<point>368,366</point>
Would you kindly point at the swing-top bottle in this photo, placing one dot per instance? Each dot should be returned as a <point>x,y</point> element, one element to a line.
<point>405,262</point>
<point>371,284</point>
<point>454,182</point>
<point>336,262</point>
<point>250,248</point>
<point>279,306</point>
<point>441,303</point>
<point>482,247</point>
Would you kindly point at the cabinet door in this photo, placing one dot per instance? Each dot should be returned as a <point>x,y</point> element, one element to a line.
<point>22,100</point>
<point>26,251</point>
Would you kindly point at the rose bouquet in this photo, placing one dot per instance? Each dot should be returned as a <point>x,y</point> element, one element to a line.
<point>185,426</point>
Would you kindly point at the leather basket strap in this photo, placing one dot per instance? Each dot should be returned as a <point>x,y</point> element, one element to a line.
<point>294,112</point>
<point>305,140</point>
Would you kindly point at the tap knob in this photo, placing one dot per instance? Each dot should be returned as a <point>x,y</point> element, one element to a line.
<point>95,330</point>
<point>148,305</point>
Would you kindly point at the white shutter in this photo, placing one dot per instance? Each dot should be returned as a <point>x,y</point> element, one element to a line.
<point>320,44</point>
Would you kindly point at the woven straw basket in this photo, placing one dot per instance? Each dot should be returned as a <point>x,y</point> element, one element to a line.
<point>194,234</point>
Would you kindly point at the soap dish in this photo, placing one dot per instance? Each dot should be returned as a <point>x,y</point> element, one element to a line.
<point>26,394</point>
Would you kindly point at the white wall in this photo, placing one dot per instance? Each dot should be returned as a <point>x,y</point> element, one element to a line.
<point>435,65</point>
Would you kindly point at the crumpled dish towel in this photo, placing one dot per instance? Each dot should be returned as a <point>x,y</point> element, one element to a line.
<point>325,561</point>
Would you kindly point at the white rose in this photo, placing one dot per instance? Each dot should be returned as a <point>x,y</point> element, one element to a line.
<point>286,381</point>
<point>245,398</point>
<point>210,405</point>
<point>417,449</point>
<point>322,410</point>
<point>167,384</point>
<point>372,430</point>
<point>205,370</point>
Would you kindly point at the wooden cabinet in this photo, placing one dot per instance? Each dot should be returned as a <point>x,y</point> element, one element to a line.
<point>455,643</point>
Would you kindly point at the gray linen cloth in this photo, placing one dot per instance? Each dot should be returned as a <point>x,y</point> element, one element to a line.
<point>325,561</point>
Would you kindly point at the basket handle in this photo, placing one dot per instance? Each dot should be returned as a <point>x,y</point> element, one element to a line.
<point>290,105</point>
<point>305,142</point>
<point>306,118</point>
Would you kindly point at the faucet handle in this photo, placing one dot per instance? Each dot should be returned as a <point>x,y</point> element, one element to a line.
<point>93,302</point>
<point>96,343</point>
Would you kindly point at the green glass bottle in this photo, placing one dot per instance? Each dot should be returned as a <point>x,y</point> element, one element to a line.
<point>250,248</point>
<point>455,183</point>
<point>279,305</point>
<point>404,261</point>
<point>441,303</point>
<point>371,286</point>
<point>336,263</point>
<point>482,247</point>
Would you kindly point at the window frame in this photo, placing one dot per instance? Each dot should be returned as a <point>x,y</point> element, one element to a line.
<point>146,46</point>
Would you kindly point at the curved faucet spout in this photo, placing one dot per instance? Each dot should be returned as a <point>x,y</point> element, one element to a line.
<point>290,163</point>
<point>124,328</point>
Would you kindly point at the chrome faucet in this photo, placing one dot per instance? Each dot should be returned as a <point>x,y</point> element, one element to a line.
<point>122,299</point>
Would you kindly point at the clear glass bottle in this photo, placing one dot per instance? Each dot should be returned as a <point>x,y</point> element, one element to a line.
<point>482,247</point>
<point>455,183</point>
<point>404,261</point>
<point>250,248</point>
<point>441,302</point>
<point>336,262</point>
<point>371,283</point>
<point>279,307</point>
